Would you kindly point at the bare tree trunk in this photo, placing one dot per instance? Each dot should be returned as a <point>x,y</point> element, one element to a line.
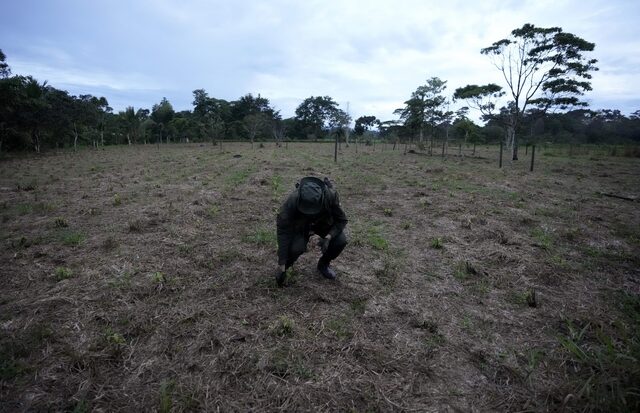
<point>511,140</point>
<point>36,141</point>
<point>75,137</point>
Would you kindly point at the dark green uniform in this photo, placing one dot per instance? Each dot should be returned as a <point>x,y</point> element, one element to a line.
<point>295,228</point>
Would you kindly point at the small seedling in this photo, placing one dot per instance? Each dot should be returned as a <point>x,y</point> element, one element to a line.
<point>358,306</point>
<point>464,270</point>
<point>62,273</point>
<point>60,223</point>
<point>213,210</point>
<point>73,239</point>
<point>340,327</point>
<point>388,212</point>
<point>436,243</point>
<point>159,277</point>
<point>115,338</point>
<point>166,396</point>
<point>284,327</point>
<point>30,186</point>
<point>376,239</point>
<point>406,225</point>
<point>135,226</point>
<point>530,298</point>
<point>117,200</point>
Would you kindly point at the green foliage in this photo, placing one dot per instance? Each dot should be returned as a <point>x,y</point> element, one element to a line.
<point>117,200</point>
<point>543,238</point>
<point>24,209</point>
<point>15,349</point>
<point>159,277</point>
<point>358,306</point>
<point>463,270</point>
<point>425,107</point>
<point>114,338</point>
<point>213,210</point>
<point>136,226</point>
<point>286,362</point>
<point>392,263</point>
<point>262,236</point>
<point>552,72</point>
<point>60,223</point>
<point>317,113</point>
<point>237,178</point>
<point>607,370</point>
<point>283,327</point>
<point>73,238</point>
<point>371,236</point>
<point>81,407</point>
<point>525,298</point>
<point>62,273</point>
<point>436,243</point>
<point>121,280</point>
<point>277,186</point>
<point>28,186</point>
<point>341,327</point>
<point>167,389</point>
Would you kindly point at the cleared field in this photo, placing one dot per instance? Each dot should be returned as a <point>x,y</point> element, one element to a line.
<point>142,278</point>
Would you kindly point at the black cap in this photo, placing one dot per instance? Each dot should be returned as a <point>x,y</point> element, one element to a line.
<point>310,195</point>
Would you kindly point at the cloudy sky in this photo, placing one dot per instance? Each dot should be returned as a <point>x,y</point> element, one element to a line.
<point>370,54</point>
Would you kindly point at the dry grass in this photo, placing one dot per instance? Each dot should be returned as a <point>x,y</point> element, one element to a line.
<point>138,278</point>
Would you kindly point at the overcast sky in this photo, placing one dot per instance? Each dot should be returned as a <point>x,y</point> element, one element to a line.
<point>371,54</point>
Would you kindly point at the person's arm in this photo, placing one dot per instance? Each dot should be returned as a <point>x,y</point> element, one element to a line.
<point>284,225</point>
<point>339,218</point>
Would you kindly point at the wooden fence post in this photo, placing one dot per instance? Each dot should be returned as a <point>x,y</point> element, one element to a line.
<point>500,164</point>
<point>533,156</point>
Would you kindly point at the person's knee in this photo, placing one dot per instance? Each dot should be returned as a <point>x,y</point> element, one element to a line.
<point>340,240</point>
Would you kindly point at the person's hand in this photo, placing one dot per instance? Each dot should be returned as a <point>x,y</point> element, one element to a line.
<point>324,243</point>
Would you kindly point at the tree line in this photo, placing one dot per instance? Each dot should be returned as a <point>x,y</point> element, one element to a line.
<point>546,72</point>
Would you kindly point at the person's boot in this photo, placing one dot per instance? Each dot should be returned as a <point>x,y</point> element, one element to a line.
<point>280,278</point>
<point>325,270</point>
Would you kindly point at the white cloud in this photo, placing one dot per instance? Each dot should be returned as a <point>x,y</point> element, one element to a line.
<point>372,54</point>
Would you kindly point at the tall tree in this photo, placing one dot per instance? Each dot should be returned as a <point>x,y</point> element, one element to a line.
<point>5,70</point>
<point>364,123</point>
<point>253,123</point>
<point>482,98</point>
<point>131,123</point>
<point>543,67</point>
<point>317,113</point>
<point>35,113</point>
<point>162,113</point>
<point>425,107</point>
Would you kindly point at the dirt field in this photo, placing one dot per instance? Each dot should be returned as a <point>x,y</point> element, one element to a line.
<point>138,278</point>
